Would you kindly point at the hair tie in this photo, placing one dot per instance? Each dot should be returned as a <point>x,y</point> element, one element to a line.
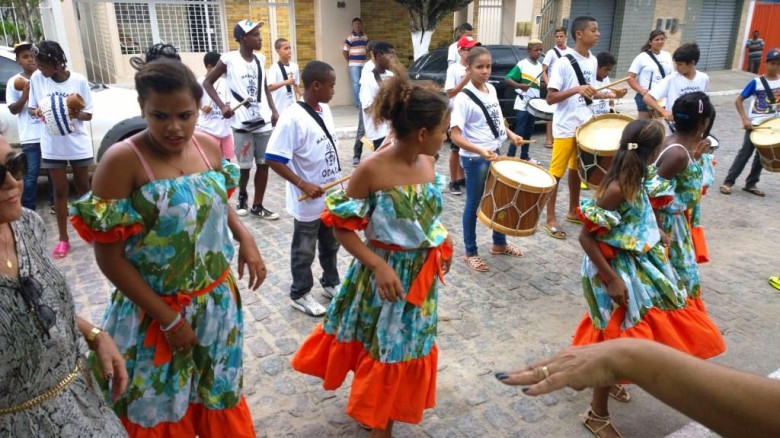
<point>632,146</point>
<point>701,106</point>
<point>681,116</point>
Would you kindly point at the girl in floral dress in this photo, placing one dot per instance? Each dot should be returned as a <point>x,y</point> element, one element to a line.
<point>381,325</point>
<point>160,221</point>
<point>629,285</point>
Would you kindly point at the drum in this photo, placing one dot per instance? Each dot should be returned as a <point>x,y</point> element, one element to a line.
<point>766,139</point>
<point>540,109</point>
<point>598,140</point>
<point>653,114</point>
<point>516,191</point>
<point>56,112</point>
<point>714,143</point>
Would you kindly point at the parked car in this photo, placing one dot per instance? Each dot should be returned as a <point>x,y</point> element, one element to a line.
<point>116,114</point>
<point>433,66</point>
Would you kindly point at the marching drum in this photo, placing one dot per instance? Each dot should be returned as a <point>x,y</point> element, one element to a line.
<point>540,109</point>
<point>598,140</point>
<point>55,111</point>
<point>766,138</point>
<point>516,191</point>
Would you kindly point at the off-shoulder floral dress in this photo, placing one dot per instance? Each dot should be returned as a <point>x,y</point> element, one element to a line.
<point>390,347</point>
<point>176,235</point>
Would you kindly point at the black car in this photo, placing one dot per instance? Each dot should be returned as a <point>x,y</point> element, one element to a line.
<point>433,67</point>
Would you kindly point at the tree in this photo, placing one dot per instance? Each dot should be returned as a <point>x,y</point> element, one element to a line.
<point>26,15</point>
<point>424,16</point>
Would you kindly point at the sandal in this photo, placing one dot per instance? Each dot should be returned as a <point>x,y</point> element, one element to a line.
<point>726,190</point>
<point>754,190</point>
<point>554,232</point>
<point>774,282</point>
<point>574,220</point>
<point>602,423</point>
<point>510,250</point>
<point>476,263</point>
<point>619,393</point>
<point>548,145</point>
<point>61,250</point>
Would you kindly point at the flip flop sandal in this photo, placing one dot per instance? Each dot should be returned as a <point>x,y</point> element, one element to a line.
<point>601,423</point>
<point>754,191</point>
<point>510,250</point>
<point>619,393</point>
<point>574,220</point>
<point>774,282</point>
<point>554,232</point>
<point>726,190</point>
<point>476,263</point>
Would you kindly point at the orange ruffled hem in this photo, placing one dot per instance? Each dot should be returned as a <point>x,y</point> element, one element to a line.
<point>235,422</point>
<point>381,392</point>
<point>353,223</point>
<point>120,233</point>
<point>689,329</point>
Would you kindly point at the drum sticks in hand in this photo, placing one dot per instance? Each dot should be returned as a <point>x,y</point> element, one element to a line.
<point>326,187</point>
<point>506,125</point>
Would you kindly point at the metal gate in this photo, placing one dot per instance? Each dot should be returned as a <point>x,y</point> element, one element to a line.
<point>715,33</point>
<point>604,12</point>
<point>12,26</point>
<point>549,21</point>
<point>279,17</point>
<point>490,21</point>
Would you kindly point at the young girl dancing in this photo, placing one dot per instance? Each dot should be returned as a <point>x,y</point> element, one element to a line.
<point>162,227</point>
<point>479,139</point>
<point>381,324</point>
<point>629,285</point>
<point>675,186</point>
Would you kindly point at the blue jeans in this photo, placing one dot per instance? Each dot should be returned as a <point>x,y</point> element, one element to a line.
<point>306,236</point>
<point>354,74</point>
<point>524,127</point>
<point>33,153</point>
<point>741,160</point>
<point>476,170</point>
<point>641,106</point>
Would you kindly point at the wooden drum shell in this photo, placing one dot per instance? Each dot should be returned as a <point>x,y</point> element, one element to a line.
<point>766,138</point>
<point>594,156</point>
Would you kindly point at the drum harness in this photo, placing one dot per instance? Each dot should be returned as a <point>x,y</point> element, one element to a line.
<point>481,106</point>
<point>580,77</point>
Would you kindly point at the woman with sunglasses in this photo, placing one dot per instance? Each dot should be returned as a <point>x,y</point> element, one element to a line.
<point>45,388</point>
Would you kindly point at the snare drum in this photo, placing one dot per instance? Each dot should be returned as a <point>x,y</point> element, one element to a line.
<point>540,109</point>
<point>598,140</point>
<point>516,192</point>
<point>766,139</point>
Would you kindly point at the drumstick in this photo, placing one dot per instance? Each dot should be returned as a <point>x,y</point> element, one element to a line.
<point>325,187</point>
<point>240,104</point>
<point>506,125</point>
<point>611,84</point>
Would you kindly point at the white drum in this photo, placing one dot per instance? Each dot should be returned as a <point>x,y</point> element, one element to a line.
<point>540,109</point>
<point>56,112</point>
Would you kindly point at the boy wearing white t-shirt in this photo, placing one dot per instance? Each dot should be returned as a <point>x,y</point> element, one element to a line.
<point>572,98</point>
<point>605,105</point>
<point>253,121</point>
<point>683,81</point>
<point>453,51</point>
<point>384,57</point>
<point>455,81</point>
<point>761,110</point>
<point>210,120</point>
<point>525,79</point>
<point>560,50</point>
<point>306,155</point>
<point>283,77</point>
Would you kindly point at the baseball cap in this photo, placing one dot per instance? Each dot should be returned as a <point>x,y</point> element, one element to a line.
<point>24,45</point>
<point>243,27</point>
<point>467,42</point>
<point>773,54</point>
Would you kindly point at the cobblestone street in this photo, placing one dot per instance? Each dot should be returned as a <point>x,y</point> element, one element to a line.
<point>521,310</point>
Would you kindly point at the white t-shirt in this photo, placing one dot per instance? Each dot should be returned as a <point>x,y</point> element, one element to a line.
<point>301,143</point>
<point>468,116</point>
<point>675,85</point>
<point>529,72</point>
<point>368,91</point>
<point>213,122</point>
<point>760,110</point>
<point>600,106</point>
<point>550,57</point>
<point>646,70</point>
<point>455,73</point>
<point>74,146</point>
<point>573,111</point>
<point>30,128</point>
<point>242,79</point>
<point>452,54</point>
<point>367,67</point>
<point>282,97</point>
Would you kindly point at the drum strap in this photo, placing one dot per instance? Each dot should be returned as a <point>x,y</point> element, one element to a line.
<point>321,122</point>
<point>770,96</point>
<point>259,86</point>
<point>660,68</point>
<point>284,75</point>
<point>557,52</point>
<point>580,77</point>
<point>481,106</point>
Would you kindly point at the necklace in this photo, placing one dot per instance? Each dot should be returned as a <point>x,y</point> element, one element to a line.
<point>155,146</point>
<point>8,263</point>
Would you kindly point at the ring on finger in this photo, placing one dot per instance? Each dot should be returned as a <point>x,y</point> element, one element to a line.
<point>546,372</point>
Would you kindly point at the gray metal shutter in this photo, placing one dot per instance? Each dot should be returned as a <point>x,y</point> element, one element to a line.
<point>603,11</point>
<point>715,33</point>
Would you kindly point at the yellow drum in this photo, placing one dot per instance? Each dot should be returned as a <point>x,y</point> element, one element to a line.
<point>598,140</point>
<point>766,138</point>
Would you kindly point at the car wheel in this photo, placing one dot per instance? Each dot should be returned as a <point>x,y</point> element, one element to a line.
<point>119,132</point>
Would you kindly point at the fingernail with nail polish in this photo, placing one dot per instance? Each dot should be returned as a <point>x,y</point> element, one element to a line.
<point>502,376</point>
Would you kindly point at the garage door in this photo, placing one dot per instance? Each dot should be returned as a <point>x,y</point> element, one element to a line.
<point>603,11</point>
<point>715,33</point>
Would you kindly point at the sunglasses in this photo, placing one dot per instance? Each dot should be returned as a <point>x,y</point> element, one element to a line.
<point>16,166</point>
<point>31,293</point>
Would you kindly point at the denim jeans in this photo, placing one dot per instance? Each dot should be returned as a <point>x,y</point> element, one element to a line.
<point>354,74</point>
<point>306,237</point>
<point>754,63</point>
<point>524,127</point>
<point>741,160</point>
<point>33,153</point>
<point>476,170</point>
<point>357,149</point>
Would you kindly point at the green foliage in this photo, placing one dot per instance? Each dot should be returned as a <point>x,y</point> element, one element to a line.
<point>425,15</point>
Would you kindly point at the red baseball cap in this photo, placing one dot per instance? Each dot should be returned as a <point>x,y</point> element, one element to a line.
<point>467,42</point>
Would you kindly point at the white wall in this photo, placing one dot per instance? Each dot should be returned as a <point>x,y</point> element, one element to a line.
<point>523,12</point>
<point>331,26</point>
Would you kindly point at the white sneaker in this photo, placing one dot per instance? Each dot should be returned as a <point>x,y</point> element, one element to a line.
<point>328,291</point>
<point>308,305</point>
<point>532,161</point>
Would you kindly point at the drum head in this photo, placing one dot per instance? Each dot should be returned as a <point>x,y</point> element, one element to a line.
<point>601,134</point>
<point>767,133</point>
<point>518,173</point>
<point>541,105</point>
<point>714,143</point>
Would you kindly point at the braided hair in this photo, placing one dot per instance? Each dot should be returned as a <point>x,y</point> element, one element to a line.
<point>691,110</point>
<point>50,52</point>
<point>155,52</point>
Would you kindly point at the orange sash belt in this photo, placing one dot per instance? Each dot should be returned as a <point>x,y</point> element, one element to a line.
<point>155,337</point>
<point>428,273</point>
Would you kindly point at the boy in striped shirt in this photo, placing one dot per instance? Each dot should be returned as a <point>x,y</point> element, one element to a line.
<point>525,79</point>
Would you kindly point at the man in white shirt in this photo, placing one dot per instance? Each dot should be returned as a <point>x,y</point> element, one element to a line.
<point>453,55</point>
<point>306,155</point>
<point>253,121</point>
<point>573,99</point>
<point>683,81</point>
<point>553,55</point>
<point>384,58</point>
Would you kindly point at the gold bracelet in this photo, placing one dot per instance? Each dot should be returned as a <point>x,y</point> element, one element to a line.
<point>46,395</point>
<point>93,334</point>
